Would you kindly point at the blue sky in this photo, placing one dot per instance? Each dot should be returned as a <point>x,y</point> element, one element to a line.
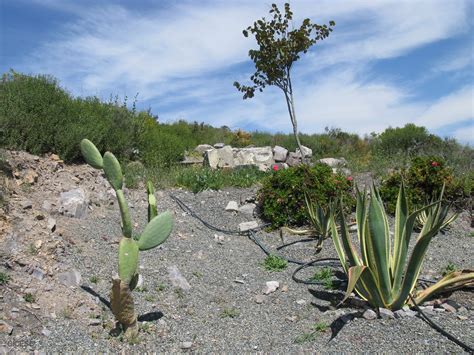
<point>387,63</point>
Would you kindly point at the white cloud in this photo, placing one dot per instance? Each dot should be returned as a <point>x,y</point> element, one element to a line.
<point>189,52</point>
<point>455,107</point>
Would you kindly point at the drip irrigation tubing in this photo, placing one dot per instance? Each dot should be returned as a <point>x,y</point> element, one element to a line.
<point>332,262</point>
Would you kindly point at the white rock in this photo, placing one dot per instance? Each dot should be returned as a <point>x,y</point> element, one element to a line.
<point>301,302</point>
<point>279,153</point>
<point>51,224</point>
<point>246,226</point>
<point>232,206</point>
<point>271,286</point>
<point>186,345</point>
<point>307,152</point>
<point>176,279</point>
<point>333,162</point>
<point>259,299</point>
<point>74,203</point>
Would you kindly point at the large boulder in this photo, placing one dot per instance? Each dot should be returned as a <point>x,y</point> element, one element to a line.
<point>293,159</point>
<point>279,153</point>
<point>262,157</point>
<point>202,148</point>
<point>307,152</point>
<point>219,158</point>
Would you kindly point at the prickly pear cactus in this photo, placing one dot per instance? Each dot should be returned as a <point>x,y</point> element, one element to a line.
<point>156,232</point>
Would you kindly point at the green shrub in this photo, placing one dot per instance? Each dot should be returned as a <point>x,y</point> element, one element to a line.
<point>201,178</point>
<point>424,180</point>
<point>275,263</point>
<point>282,198</point>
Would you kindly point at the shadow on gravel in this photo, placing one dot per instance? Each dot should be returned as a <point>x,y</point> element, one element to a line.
<point>339,323</point>
<point>95,294</point>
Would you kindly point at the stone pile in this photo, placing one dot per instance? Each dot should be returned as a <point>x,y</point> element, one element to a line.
<point>225,156</point>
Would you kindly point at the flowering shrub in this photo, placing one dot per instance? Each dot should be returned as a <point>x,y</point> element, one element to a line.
<point>282,196</point>
<point>423,180</point>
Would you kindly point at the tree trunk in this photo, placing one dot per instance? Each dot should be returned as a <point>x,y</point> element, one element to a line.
<point>291,110</point>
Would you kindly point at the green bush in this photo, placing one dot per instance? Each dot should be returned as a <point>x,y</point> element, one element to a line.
<point>282,198</point>
<point>424,180</point>
<point>201,178</point>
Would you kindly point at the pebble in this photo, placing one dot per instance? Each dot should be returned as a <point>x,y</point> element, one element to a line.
<point>259,299</point>
<point>301,302</point>
<point>95,322</point>
<point>284,288</point>
<point>219,239</point>
<point>51,224</point>
<point>271,286</point>
<point>369,314</point>
<point>38,273</point>
<point>5,328</point>
<point>386,313</point>
<point>248,208</point>
<point>46,332</point>
<point>26,205</point>
<point>70,278</point>
<point>186,344</point>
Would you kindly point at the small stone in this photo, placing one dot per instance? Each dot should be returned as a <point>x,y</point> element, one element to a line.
<point>259,299</point>
<point>246,226</point>
<point>38,244</point>
<point>232,206</point>
<point>462,309</point>
<point>140,281</point>
<point>448,308</point>
<point>38,273</point>
<point>291,318</point>
<point>369,314</point>
<point>95,322</point>
<point>284,288</point>
<point>301,302</point>
<point>453,304</point>
<point>46,332</point>
<point>186,345</point>
<point>14,310</point>
<point>219,145</point>
<point>271,286</point>
<point>239,281</point>
<point>26,205</point>
<point>5,328</point>
<point>51,224</point>
<point>460,317</point>
<point>248,208</point>
<point>54,157</point>
<point>219,239</point>
<point>35,306</point>
<point>70,278</point>
<point>176,279</point>
<point>386,313</point>
<point>439,310</point>
<point>46,206</point>
<point>402,313</point>
<point>30,177</point>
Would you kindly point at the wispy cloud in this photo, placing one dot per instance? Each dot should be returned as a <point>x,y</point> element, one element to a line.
<point>183,57</point>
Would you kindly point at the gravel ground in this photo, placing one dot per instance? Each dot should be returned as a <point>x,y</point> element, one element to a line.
<point>220,312</point>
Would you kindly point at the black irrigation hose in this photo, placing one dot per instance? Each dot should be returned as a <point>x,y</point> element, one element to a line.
<point>424,317</point>
<point>302,265</point>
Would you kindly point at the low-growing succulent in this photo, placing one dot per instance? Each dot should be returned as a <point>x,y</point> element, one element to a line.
<point>382,272</point>
<point>156,232</point>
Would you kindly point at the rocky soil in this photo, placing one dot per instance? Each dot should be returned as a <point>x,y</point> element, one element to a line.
<point>202,290</point>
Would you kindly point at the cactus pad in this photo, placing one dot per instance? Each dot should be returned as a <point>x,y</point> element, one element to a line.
<point>91,154</point>
<point>113,171</point>
<point>128,259</point>
<point>122,305</point>
<point>156,231</point>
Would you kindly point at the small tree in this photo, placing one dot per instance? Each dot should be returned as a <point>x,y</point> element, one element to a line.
<point>278,49</point>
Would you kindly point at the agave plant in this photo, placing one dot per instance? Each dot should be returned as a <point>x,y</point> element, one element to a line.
<point>320,219</point>
<point>382,273</point>
<point>156,232</point>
